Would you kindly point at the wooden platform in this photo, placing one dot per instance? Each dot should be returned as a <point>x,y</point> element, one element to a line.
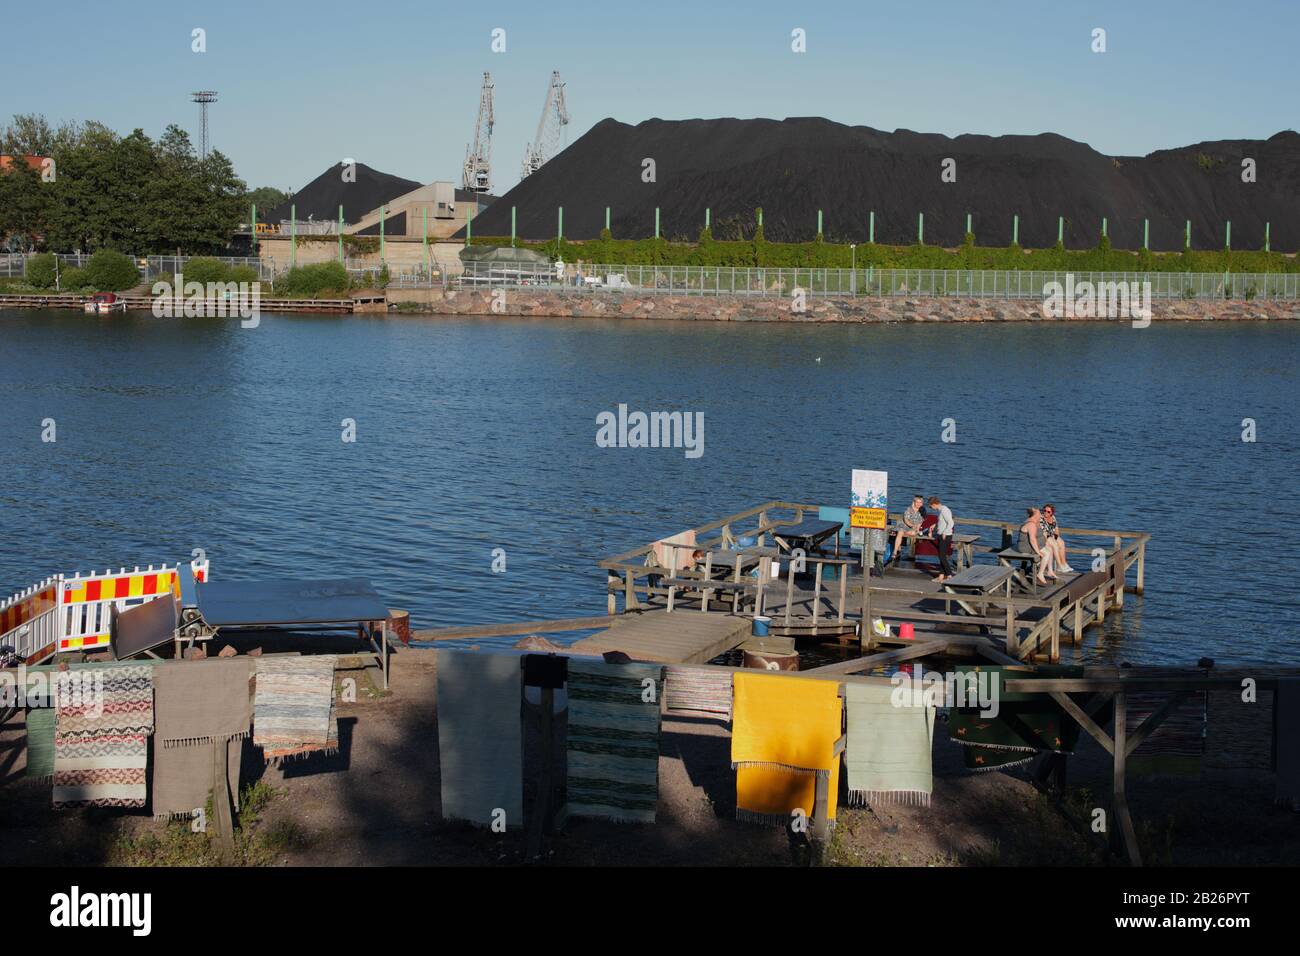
<point>677,638</point>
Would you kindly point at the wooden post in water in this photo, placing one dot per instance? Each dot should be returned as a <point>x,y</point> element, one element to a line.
<point>1123,819</point>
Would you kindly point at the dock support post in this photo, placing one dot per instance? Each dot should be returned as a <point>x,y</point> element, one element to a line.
<point>1142,568</point>
<point>821,816</point>
<point>629,595</point>
<point>1078,621</point>
<point>1122,817</point>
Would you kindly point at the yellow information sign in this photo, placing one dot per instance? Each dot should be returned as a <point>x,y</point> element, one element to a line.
<point>867,517</point>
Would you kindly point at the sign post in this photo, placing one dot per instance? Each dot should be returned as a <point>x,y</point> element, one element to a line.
<point>868,504</point>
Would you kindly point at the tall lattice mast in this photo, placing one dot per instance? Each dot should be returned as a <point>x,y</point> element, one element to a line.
<point>203,98</point>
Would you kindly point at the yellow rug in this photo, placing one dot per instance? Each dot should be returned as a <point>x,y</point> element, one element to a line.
<point>783,735</point>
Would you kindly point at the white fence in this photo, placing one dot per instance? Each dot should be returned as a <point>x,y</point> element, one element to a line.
<point>982,283</point>
<point>74,612</point>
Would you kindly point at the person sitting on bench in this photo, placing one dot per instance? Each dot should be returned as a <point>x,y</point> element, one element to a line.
<point>1052,537</point>
<point>911,526</point>
<point>1029,543</point>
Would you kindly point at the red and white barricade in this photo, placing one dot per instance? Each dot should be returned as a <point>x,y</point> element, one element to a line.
<point>68,613</point>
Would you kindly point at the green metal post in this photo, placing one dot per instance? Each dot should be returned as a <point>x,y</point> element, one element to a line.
<point>1015,230</point>
<point>425,243</point>
<point>1146,233</point>
<point>1187,234</point>
<point>513,212</point>
<point>871,227</point>
<point>253,226</point>
<point>1266,240</point>
<point>707,218</point>
<point>819,222</point>
<point>920,228</point>
<point>559,225</point>
<point>607,217</point>
<point>760,217</point>
<point>968,230</point>
<point>656,222</point>
<point>1060,229</point>
<point>1227,235</point>
<point>293,235</point>
<point>342,258</point>
<point>382,210</point>
<point>469,229</point>
<point>1103,225</point>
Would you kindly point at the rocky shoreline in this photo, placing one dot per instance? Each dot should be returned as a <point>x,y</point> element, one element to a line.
<point>726,308</point>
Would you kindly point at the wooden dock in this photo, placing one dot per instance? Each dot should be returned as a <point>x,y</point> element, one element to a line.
<point>669,638</point>
<point>828,598</point>
<point>144,303</point>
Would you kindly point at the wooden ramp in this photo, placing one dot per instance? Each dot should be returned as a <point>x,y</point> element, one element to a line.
<point>679,637</point>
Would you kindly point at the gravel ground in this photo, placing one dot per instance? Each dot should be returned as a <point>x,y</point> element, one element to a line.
<point>376,802</point>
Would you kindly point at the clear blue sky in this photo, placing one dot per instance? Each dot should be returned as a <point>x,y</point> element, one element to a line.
<point>394,83</point>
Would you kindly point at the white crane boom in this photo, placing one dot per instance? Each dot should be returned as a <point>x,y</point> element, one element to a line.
<point>550,128</point>
<point>478,157</point>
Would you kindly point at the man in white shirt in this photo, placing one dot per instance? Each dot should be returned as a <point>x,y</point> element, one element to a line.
<point>942,536</point>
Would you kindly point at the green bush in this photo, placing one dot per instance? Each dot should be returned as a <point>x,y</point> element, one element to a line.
<point>40,271</point>
<point>110,271</point>
<point>73,280</point>
<point>204,269</point>
<point>312,280</point>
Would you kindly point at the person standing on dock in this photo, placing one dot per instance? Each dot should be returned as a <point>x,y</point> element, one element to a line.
<point>942,536</point>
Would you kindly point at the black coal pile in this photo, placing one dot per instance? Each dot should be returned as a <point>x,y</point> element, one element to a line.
<point>321,198</point>
<point>793,167</point>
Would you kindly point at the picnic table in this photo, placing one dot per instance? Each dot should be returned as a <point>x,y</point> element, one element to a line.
<point>1017,561</point>
<point>740,561</point>
<point>809,534</point>
<point>976,580</point>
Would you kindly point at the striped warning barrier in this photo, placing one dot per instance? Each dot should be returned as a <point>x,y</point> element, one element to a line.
<point>29,620</point>
<point>67,613</point>
<point>88,600</point>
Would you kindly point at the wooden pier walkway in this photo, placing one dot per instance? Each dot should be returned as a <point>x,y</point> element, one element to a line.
<point>668,638</point>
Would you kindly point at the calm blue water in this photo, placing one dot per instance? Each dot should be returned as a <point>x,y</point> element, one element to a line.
<point>480,433</point>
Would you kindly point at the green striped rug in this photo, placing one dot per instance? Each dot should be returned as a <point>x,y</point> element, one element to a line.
<point>613,742</point>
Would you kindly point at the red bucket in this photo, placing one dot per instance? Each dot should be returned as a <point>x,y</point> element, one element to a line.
<point>906,632</point>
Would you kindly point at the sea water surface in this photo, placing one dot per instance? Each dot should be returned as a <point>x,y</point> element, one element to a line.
<point>479,434</point>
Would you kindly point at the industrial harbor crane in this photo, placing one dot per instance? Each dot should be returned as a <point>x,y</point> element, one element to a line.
<point>555,116</point>
<point>478,157</point>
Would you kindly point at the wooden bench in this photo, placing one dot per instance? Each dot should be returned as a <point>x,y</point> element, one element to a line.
<point>707,587</point>
<point>1019,561</point>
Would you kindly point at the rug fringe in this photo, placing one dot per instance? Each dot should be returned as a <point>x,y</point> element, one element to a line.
<point>1001,766</point>
<point>761,819</point>
<point>911,798</point>
<point>976,743</point>
<point>173,742</point>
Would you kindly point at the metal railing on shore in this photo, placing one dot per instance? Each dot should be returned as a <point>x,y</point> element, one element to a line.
<point>150,267</point>
<point>759,281</point>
